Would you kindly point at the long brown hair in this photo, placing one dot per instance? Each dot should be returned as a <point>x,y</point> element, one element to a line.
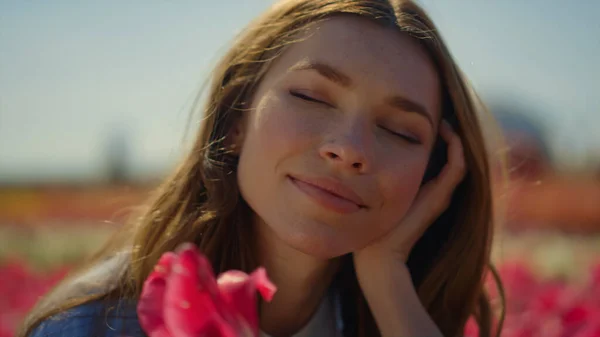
<point>201,202</point>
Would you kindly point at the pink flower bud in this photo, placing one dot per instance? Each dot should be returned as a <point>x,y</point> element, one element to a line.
<point>182,298</point>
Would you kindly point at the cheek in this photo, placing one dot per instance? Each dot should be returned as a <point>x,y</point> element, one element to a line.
<point>275,132</point>
<point>277,127</point>
<point>400,184</point>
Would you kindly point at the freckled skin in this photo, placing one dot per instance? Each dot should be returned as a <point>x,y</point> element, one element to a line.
<point>348,138</point>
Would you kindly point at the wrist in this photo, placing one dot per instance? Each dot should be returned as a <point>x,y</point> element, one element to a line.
<point>377,258</point>
<point>375,270</point>
<point>387,286</point>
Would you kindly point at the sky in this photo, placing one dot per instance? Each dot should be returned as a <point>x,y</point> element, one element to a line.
<point>73,73</point>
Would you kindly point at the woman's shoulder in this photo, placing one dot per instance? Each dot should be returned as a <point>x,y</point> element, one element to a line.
<point>98,318</point>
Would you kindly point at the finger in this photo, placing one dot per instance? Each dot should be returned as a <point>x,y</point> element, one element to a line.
<point>455,169</point>
<point>434,198</point>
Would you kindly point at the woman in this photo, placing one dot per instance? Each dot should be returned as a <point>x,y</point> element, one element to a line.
<point>340,149</point>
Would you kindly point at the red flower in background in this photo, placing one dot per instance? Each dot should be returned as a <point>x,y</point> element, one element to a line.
<point>545,307</point>
<point>521,281</point>
<point>181,298</point>
<point>21,288</point>
<point>537,307</point>
<point>592,330</point>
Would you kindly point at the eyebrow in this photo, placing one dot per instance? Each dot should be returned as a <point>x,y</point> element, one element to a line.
<point>407,105</point>
<point>326,71</point>
<point>343,80</point>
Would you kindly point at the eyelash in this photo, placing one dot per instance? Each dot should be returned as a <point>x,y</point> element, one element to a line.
<point>307,98</point>
<point>314,100</point>
<point>405,137</point>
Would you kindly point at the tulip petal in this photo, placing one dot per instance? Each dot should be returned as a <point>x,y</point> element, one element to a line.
<point>239,290</point>
<point>193,303</point>
<point>181,298</point>
<point>151,303</point>
<point>262,283</point>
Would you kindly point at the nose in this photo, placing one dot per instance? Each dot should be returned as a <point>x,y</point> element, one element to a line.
<point>348,151</point>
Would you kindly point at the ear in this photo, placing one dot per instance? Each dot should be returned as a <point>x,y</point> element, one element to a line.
<point>236,135</point>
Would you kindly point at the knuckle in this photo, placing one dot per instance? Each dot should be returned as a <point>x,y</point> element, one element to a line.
<point>447,202</point>
<point>443,204</point>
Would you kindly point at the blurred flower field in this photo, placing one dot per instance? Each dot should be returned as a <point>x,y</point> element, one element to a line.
<point>33,259</point>
<point>552,281</point>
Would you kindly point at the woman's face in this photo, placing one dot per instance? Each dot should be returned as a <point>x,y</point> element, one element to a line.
<point>340,132</point>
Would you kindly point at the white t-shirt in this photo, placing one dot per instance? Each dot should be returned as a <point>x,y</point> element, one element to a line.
<point>324,323</point>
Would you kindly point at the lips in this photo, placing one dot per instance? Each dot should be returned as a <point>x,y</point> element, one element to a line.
<point>329,193</point>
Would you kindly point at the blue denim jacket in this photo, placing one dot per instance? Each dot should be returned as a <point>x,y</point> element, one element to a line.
<point>119,319</point>
<point>94,319</point>
<point>108,319</point>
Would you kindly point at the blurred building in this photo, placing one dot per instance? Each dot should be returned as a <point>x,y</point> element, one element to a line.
<point>528,152</point>
<point>540,197</point>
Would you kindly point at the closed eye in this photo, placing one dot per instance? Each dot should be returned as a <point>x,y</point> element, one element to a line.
<point>407,138</point>
<point>308,98</point>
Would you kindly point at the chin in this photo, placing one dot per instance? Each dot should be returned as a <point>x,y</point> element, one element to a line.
<point>316,247</point>
<point>317,240</point>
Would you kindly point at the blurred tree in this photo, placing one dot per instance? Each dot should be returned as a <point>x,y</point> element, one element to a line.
<point>117,154</point>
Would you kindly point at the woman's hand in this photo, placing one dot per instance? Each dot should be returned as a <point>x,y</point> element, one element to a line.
<point>381,266</point>
<point>432,200</point>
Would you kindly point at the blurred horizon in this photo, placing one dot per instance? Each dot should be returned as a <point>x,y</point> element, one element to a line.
<point>83,83</point>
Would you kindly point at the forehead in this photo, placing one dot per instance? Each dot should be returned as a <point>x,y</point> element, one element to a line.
<point>373,56</point>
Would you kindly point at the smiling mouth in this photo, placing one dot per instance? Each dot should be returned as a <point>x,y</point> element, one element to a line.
<point>325,198</point>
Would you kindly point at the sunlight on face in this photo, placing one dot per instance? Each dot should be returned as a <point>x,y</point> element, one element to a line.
<point>339,136</point>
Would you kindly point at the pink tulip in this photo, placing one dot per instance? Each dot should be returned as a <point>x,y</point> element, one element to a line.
<point>471,328</point>
<point>181,298</point>
<point>577,315</point>
<point>591,330</point>
<point>551,298</point>
<point>520,283</point>
<point>15,277</point>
